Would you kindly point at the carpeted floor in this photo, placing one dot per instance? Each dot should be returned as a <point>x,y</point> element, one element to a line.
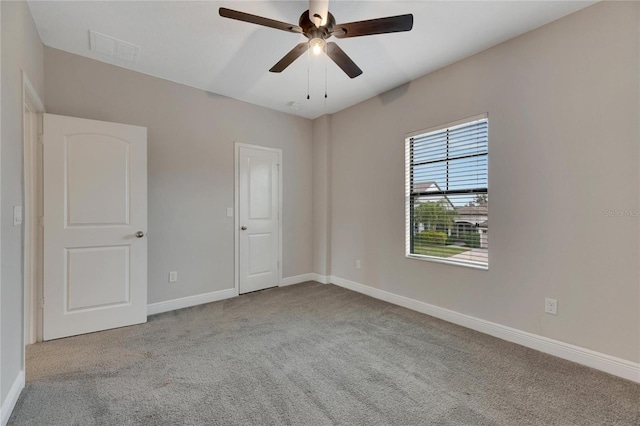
<point>310,354</point>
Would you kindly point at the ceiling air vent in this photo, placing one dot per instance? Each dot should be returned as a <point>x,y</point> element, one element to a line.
<point>109,46</point>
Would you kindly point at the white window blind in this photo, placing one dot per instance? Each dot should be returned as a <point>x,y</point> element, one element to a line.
<point>447,193</point>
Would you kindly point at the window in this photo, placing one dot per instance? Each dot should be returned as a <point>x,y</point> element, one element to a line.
<point>447,193</point>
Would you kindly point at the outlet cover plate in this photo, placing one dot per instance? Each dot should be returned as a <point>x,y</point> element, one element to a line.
<point>551,306</point>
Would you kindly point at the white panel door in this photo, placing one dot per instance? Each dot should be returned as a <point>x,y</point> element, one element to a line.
<point>259,203</point>
<point>95,224</point>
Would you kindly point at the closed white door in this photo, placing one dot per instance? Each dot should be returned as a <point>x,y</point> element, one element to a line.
<point>259,222</point>
<point>95,224</point>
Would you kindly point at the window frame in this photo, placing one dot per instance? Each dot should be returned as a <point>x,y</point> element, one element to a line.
<point>408,196</point>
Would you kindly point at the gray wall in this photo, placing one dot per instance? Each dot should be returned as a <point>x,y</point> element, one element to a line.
<point>21,50</point>
<point>191,137</point>
<point>564,146</point>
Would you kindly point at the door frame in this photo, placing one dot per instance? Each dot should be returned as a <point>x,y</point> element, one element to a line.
<point>236,209</point>
<point>32,232</point>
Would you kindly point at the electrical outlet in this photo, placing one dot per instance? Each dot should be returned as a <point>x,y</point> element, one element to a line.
<point>358,265</point>
<point>173,276</point>
<point>551,306</point>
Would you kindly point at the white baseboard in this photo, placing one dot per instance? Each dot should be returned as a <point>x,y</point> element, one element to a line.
<point>607,363</point>
<point>304,278</point>
<point>11,399</point>
<point>186,302</point>
<point>323,279</point>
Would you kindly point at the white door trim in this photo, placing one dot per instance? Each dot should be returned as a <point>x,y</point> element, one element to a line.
<point>236,215</point>
<point>32,206</point>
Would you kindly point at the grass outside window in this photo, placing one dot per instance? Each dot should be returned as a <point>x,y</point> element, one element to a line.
<point>437,250</point>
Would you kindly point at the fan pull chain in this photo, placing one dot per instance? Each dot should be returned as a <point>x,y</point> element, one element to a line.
<point>325,83</point>
<point>325,74</point>
<point>308,78</point>
<point>325,77</point>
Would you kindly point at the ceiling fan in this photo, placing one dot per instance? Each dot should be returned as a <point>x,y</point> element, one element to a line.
<point>317,24</point>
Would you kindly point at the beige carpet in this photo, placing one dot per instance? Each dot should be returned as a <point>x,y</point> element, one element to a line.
<point>310,354</point>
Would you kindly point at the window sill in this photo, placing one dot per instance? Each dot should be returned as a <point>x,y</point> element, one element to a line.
<point>434,259</point>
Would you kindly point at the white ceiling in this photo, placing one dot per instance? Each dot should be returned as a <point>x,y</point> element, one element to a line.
<point>189,43</point>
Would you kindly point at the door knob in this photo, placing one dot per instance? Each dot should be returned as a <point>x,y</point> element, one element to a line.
<point>139,234</point>
<point>244,228</point>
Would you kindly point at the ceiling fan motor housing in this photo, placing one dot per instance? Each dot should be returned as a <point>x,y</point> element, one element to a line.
<point>310,30</point>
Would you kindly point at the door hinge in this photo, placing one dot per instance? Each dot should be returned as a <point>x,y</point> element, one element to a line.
<point>41,303</point>
<point>278,264</point>
<point>41,138</point>
<point>41,221</point>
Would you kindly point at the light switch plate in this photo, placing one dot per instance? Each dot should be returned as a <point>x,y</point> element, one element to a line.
<point>229,212</point>
<point>17,215</point>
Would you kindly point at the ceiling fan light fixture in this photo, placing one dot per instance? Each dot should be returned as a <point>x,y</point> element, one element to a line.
<point>316,45</point>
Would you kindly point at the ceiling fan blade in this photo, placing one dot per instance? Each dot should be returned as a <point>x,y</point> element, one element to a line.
<point>390,24</point>
<point>290,57</point>
<point>258,20</point>
<point>342,60</point>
